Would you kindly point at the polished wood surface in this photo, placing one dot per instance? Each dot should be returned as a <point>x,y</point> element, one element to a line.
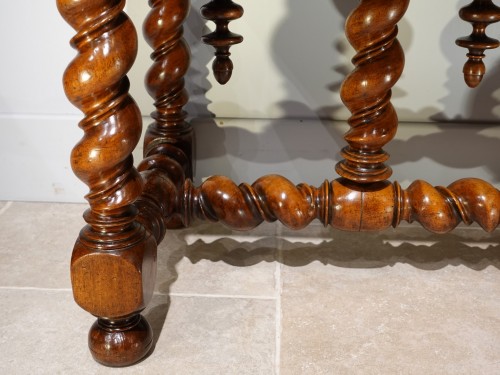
<point>366,92</point>
<point>222,12</point>
<point>480,13</point>
<point>344,205</point>
<point>165,79</point>
<point>168,143</point>
<point>113,266</point>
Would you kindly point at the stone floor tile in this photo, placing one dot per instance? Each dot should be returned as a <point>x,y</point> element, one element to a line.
<point>360,305</point>
<point>213,336</point>
<point>407,244</point>
<point>4,206</point>
<point>210,259</point>
<point>45,332</point>
<point>400,301</point>
<point>36,242</point>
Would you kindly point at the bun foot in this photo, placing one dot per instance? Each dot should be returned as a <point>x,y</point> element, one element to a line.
<point>119,343</point>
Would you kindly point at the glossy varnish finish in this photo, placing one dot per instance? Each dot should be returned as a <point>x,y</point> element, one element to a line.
<point>114,259</point>
<point>480,13</point>
<point>165,80</point>
<point>344,205</point>
<point>366,92</point>
<point>222,12</point>
<point>113,265</point>
<point>168,144</point>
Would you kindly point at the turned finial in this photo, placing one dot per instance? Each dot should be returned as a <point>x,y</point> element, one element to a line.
<point>480,13</point>
<point>222,12</point>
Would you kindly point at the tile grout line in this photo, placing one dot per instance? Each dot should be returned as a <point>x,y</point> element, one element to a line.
<point>35,289</point>
<point>6,207</point>
<point>277,290</point>
<point>277,360</point>
<point>228,296</point>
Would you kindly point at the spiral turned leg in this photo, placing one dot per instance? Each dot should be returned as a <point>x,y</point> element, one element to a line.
<point>222,12</point>
<point>366,92</point>
<point>113,266</point>
<point>480,13</point>
<point>163,30</point>
<point>168,144</point>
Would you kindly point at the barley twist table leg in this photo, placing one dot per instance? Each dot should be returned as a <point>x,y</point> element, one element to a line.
<point>168,144</point>
<point>163,30</point>
<point>366,92</point>
<point>113,265</point>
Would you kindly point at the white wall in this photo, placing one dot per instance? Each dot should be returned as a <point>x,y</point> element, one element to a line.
<point>287,75</point>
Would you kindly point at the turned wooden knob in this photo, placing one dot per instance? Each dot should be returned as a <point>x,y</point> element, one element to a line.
<point>480,13</point>
<point>121,342</point>
<point>222,12</point>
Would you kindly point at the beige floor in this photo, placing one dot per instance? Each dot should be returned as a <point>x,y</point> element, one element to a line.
<point>266,302</point>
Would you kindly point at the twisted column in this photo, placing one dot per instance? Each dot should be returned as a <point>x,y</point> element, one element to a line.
<point>163,31</point>
<point>244,207</point>
<point>222,12</point>
<point>343,204</point>
<point>366,92</point>
<point>440,209</point>
<point>480,13</point>
<point>114,260</point>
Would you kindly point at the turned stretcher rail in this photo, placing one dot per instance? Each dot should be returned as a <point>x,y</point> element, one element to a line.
<point>342,204</point>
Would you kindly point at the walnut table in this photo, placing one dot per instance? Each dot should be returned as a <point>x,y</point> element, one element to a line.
<point>113,265</point>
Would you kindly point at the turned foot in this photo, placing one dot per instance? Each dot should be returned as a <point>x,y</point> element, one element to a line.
<point>122,342</point>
